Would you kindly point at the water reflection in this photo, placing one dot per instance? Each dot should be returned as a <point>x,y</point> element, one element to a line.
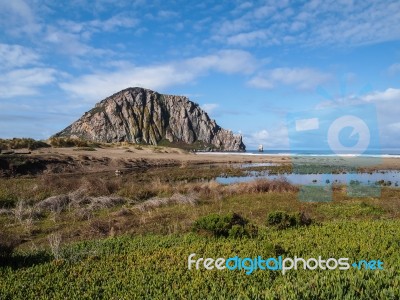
<point>386,178</point>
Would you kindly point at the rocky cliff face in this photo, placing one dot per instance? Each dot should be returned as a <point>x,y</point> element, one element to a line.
<point>143,116</point>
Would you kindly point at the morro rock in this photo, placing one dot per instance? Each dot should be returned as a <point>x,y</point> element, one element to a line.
<point>140,115</point>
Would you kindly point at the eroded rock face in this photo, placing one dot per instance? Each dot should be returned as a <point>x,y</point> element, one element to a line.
<point>143,116</point>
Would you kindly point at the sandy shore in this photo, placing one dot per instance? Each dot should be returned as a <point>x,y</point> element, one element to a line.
<point>172,155</point>
<point>161,153</point>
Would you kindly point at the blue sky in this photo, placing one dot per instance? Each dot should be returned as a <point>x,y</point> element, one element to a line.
<point>248,64</point>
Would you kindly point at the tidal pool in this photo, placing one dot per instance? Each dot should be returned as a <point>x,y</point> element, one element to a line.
<point>382,177</point>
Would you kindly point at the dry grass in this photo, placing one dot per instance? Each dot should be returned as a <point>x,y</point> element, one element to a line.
<point>177,198</point>
<point>265,186</point>
<point>55,245</point>
<point>159,201</point>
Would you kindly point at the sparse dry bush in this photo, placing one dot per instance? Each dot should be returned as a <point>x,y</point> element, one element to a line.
<point>77,201</point>
<point>102,202</point>
<point>123,212</point>
<point>83,214</point>
<point>55,244</point>
<point>20,143</point>
<point>155,202</point>
<point>265,186</point>
<point>69,142</point>
<point>99,186</point>
<point>19,211</point>
<point>5,212</point>
<point>101,227</point>
<point>8,242</point>
<point>211,189</point>
<point>55,203</point>
<point>78,198</point>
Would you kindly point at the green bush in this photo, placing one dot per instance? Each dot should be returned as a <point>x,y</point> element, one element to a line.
<point>69,142</point>
<point>283,220</point>
<point>230,225</point>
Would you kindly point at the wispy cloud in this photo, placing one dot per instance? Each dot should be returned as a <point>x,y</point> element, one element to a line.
<point>103,83</point>
<point>272,138</point>
<point>388,110</point>
<point>25,82</point>
<point>98,25</point>
<point>210,107</point>
<point>312,23</point>
<point>394,69</point>
<point>17,17</point>
<point>70,43</point>
<point>300,78</point>
<point>12,56</point>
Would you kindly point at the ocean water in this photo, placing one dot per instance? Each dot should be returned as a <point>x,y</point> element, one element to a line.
<point>369,153</point>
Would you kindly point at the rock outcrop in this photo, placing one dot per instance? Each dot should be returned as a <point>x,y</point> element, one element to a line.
<point>140,115</point>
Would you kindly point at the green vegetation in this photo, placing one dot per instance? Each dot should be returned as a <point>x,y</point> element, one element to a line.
<point>21,143</point>
<point>283,220</point>
<point>70,142</point>
<point>155,267</point>
<point>101,236</point>
<point>230,225</point>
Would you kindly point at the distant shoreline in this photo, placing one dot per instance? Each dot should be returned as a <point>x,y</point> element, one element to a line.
<point>80,160</point>
<point>298,154</point>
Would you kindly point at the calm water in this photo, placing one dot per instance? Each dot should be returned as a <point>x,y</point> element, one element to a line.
<point>315,153</point>
<point>391,178</point>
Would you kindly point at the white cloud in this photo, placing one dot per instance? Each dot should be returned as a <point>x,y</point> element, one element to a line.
<point>97,25</point>
<point>307,124</point>
<point>114,22</point>
<point>70,43</point>
<point>390,94</point>
<point>394,69</point>
<point>229,27</point>
<point>301,78</point>
<point>101,84</point>
<point>17,17</point>
<point>166,14</point>
<point>25,82</point>
<point>395,127</point>
<point>387,108</point>
<point>274,138</point>
<point>73,38</point>
<point>315,23</point>
<point>261,135</point>
<point>225,61</point>
<point>247,38</point>
<point>260,82</point>
<point>210,107</point>
<point>16,56</point>
<point>243,6</point>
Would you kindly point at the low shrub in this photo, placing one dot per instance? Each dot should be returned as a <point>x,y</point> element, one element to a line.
<point>8,243</point>
<point>283,220</point>
<point>69,142</point>
<point>21,143</point>
<point>230,225</point>
<point>266,186</point>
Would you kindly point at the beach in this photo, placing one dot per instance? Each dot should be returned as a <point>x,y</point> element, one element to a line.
<point>114,157</point>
